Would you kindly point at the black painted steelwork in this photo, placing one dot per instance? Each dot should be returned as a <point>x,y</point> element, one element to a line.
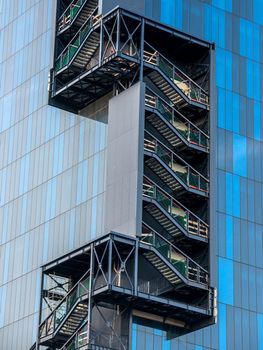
<point>161,277</point>
<point>118,49</point>
<point>108,283</point>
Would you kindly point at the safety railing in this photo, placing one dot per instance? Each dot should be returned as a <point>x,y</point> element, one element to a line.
<point>184,217</point>
<point>190,88</point>
<point>97,341</point>
<point>190,177</point>
<point>190,132</point>
<point>52,322</point>
<point>33,347</point>
<point>69,14</point>
<point>70,50</point>
<point>179,260</point>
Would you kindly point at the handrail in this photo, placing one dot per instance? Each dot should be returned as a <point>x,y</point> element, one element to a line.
<point>190,176</point>
<point>175,110</point>
<point>183,216</point>
<point>179,78</point>
<point>33,347</point>
<point>189,269</point>
<point>67,302</point>
<point>70,13</point>
<point>82,339</point>
<point>69,51</point>
<point>188,130</point>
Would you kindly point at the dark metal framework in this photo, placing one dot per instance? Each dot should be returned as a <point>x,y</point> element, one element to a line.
<point>124,42</point>
<point>90,297</point>
<point>110,281</point>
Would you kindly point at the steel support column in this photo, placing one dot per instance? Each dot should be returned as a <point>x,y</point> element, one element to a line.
<point>90,293</point>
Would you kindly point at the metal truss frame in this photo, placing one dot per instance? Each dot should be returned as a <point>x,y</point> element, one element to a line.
<point>114,273</point>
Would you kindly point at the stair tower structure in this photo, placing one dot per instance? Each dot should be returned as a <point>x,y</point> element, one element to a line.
<point>152,266</point>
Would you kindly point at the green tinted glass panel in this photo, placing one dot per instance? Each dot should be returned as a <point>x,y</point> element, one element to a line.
<point>166,67</point>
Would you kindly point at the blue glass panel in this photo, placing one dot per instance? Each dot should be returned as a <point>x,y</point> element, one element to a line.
<point>228,65</point>
<point>221,200</point>
<point>237,241</point>
<point>29,134</point>
<point>236,112</point>
<point>252,288</point>
<point>3,178</point>
<point>257,122</point>
<point>6,263</point>
<point>72,222</point>
<point>244,285</point>
<point>140,341</point>
<point>256,41</point>
<point>148,8</point>
<point>223,4</point>
<point>97,137</point>
<point>239,155</point>
<point>51,199</point>
<point>229,111</point>
<point>229,193</point>
<point>95,184</point>
<point>236,195</point>
<point>37,292</point>
<point>221,234</point>
<point>218,28</point>
<point>46,242</point>
<point>3,293</point>
<point>82,182</point>
<point>226,281</point>
<point>258,17</point>
<point>58,154</point>
<point>238,329</point>
<point>94,206</point>
<point>134,336</point>
<point>24,174</point>
<point>157,332</point>
<point>222,327</point>
<point>229,237</point>
<point>5,224</point>
<point>166,344</point>
<point>249,78</point>
<point>171,12</point>
<point>7,110</point>
<point>26,253</point>
<point>11,145</point>
<point>81,140</point>
<point>256,81</point>
<point>207,22</point>
<point>221,68</point>
<point>221,108</point>
<point>260,331</point>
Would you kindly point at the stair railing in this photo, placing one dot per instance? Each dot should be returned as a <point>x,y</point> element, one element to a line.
<point>33,347</point>
<point>190,88</point>
<point>184,217</point>
<point>189,131</point>
<point>70,13</point>
<point>190,269</point>
<point>50,324</point>
<point>190,177</point>
<point>79,340</point>
<point>70,50</point>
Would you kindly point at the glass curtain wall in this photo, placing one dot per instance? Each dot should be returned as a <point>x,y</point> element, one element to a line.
<point>51,168</point>
<point>236,28</point>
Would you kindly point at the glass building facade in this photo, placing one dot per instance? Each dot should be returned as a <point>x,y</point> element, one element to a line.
<point>52,169</point>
